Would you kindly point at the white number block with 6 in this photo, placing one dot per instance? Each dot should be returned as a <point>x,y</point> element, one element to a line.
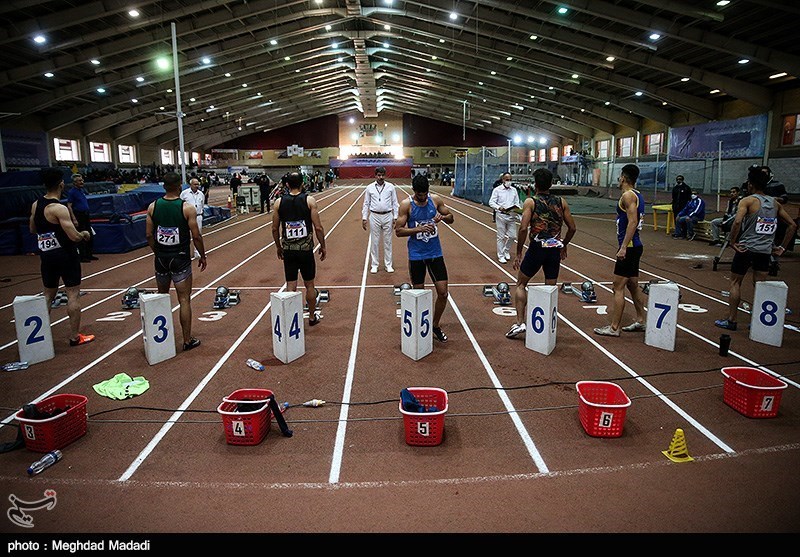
<point>541,319</point>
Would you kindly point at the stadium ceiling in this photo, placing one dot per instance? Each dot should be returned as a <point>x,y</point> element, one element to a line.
<point>560,69</point>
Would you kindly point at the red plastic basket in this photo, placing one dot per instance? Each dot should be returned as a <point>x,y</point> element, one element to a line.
<point>246,427</point>
<point>49,434</point>
<point>752,392</point>
<point>425,428</point>
<point>602,408</point>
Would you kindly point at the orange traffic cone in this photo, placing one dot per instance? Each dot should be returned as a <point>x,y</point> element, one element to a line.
<point>230,202</point>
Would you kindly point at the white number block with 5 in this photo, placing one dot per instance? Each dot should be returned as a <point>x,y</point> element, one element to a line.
<point>34,336</point>
<point>662,316</point>
<point>541,319</point>
<point>157,328</point>
<point>769,312</point>
<point>288,333</point>
<point>416,323</point>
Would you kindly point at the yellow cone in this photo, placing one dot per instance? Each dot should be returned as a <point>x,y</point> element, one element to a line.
<point>678,452</point>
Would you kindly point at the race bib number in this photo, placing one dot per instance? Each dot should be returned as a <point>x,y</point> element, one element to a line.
<point>551,243</point>
<point>168,236</point>
<point>48,241</point>
<point>766,225</point>
<point>296,229</point>
<point>425,236</point>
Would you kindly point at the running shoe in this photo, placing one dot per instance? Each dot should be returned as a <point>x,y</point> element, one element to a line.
<point>439,335</point>
<point>607,331</point>
<point>636,326</point>
<point>516,329</point>
<point>82,339</point>
<point>725,324</point>
<point>317,319</point>
<point>193,343</point>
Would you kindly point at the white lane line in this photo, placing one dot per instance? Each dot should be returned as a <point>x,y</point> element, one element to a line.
<point>224,358</point>
<point>713,438</point>
<point>512,412</point>
<point>338,449</point>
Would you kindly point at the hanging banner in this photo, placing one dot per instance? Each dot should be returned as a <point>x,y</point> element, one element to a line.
<point>741,138</point>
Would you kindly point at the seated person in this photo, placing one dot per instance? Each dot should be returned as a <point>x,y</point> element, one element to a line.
<point>724,223</point>
<point>694,212</point>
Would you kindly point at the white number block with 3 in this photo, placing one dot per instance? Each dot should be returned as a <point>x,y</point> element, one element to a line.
<point>416,322</point>
<point>288,334</point>
<point>541,319</point>
<point>34,336</point>
<point>769,312</point>
<point>157,328</point>
<point>662,316</point>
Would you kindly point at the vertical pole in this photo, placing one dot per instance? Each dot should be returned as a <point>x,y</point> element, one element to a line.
<point>719,175</point>
<point>483,174</point>
<point>509,155</point>
<point>3,155</point>
<point>178,112</point>
<point>655,180</point>
<point>666,169</point>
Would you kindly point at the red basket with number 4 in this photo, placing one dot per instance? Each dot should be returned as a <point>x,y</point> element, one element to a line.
<point>602,408</point>
<point>49,434</point>
<point>752,392</point>
<point>246,416</point>
<point>425,428</point>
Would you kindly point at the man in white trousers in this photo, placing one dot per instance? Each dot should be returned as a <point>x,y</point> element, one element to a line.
<point>197,198</point>
<point>505,201</point>
<point>380,211</point>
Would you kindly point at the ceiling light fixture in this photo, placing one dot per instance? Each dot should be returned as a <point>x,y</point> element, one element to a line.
<point>101,90</point>
<point>95,62</point>
<point>328,27</point>
<point>206,60</point>
<point>744,61</point>
<point>227,74</point>
<point>684,79</point>
<point>562,10</point>
<point>273,42</point>
<point>713,91</point>
<point>140,79</point>
<point>654,36</point>
<point>453,16</point>
<point>610,58</point>
<point>134,101</point>
<point>49,74</point>
<point>777,75</point>
<point>133,13</point>
<point>39,39</point>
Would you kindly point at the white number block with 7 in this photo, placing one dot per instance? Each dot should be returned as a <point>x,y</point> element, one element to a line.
<point>288,334</point>
<point>662,316</point>
<point>416,323</point>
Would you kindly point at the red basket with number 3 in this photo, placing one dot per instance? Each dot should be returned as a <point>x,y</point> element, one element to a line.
<point>48,434</point>
<point>752,392</point>
<point>246,416</point>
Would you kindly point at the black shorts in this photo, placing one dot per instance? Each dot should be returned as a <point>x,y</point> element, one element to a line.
<point>743,261</point>
<point>435,267</point>
<point>61,265</point>
<point>301,261</point>
<point>629,267</point>
<point>538,257</point>
<point>176,269</point>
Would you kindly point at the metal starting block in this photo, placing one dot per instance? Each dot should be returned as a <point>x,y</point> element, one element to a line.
<point>130,300</point>
<point>323,296</point>
<point>225,298</point>
<point>60,299</point>
<point>646,286</point>
<point>586,292</point>
<point>501,292</point>
<point>399,289</point>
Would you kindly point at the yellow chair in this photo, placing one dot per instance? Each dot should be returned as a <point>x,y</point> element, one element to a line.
<point>670,216</point>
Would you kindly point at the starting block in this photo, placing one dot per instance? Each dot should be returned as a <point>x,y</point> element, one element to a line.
<point>225,298</point>
<point>501,293</point>
<point>399,289</point>
<point>586,293</point>
<point>130,300</point>
<point>323,296</point>
<point>646,286</point>
<point>59,300</point>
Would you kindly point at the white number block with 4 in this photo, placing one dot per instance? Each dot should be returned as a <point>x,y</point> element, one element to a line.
<point>541,319</point>
<point>157,329</point>
<point>288,333</point>
<point>769,312</point>
<point>662,316</point>
<point>34,336</point>
<point>416,323</point>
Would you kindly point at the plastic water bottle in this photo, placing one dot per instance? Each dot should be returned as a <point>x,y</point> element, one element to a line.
<point>45,462</point>
<point>255,364</point>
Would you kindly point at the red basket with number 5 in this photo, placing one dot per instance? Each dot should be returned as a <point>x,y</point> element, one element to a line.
<point>244,426</point>
<point>602,408</point>
<point>752,392</point>
<point>425,428</point>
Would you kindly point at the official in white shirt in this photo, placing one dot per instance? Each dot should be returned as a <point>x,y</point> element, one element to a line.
<point>193,195</point>
<point>504,200</point>
<point>380,210</point>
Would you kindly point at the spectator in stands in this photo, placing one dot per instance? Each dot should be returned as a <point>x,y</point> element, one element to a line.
<point>685,221</point>
<point>724,222</point>
<point>171,226</point>
<point>681,193</point>
<point>58,238</point>
<point>79,209</point>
